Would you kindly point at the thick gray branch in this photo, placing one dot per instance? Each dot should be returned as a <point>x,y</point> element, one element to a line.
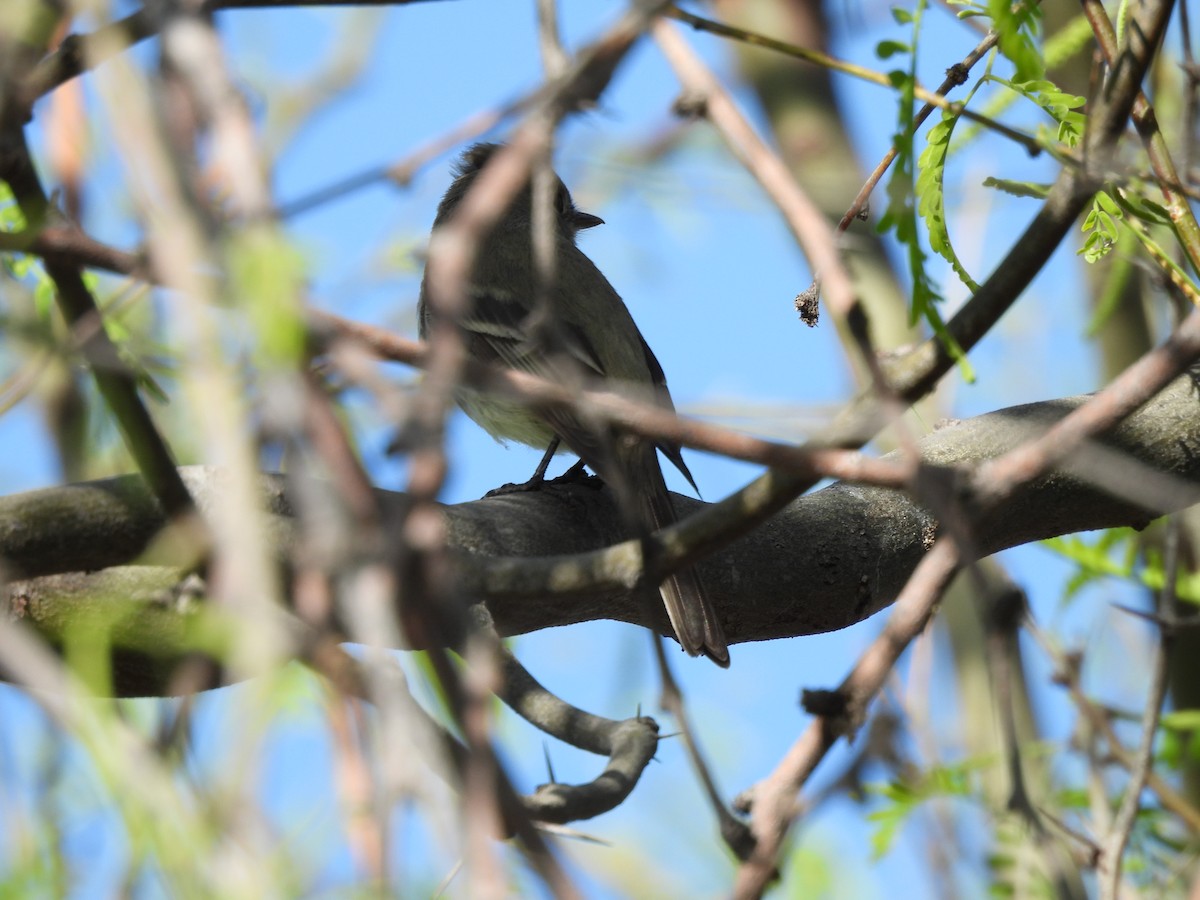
<point>827,561</point>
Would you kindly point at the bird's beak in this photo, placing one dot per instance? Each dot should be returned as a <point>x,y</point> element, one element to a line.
<point>582,220</point>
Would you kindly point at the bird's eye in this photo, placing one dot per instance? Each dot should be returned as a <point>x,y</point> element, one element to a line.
<point>562,202</point>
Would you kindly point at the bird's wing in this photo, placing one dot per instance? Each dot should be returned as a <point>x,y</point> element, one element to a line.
<point>499,327</point>
<point>673,452</point>
<point>497,332</point>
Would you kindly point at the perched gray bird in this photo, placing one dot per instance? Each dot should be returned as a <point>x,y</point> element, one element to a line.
<point>581,333</point>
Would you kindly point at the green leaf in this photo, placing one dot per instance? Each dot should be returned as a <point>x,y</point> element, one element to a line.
<point>1067,42</point>
<point>20,264</point>
<point>901,213</point>
<point>888,49</point>
<point>1182,720</point>
<point>903,798</point>
<point>1100,225</point>
<point>969,14</point>
<point>1145,209</point>
<point>1033,189</point>
<point>268,277</point>
<point>1116,554</point>
<point>1016,27</point>
<point>1108,204</point>
<point>931,196</point>
<point>1142,210</point>
<point>1061,107</point>
<point>11,218</point>
<point>1072,798</point>
<point>43,298</point>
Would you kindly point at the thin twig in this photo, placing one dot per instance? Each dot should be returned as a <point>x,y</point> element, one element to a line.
<point>403,171</point>
<point>78,53</point>
<point>803,217</point>
<point>931,576</point>
<point>932,99</point>
<point>774,797</point>
<point>1143,758</point>
<point>734,831</point>
<point>643,419</point>
<point>957,75</point>
<point>1067,674</point>
<point>793,771</point>
<point>1126,393</point>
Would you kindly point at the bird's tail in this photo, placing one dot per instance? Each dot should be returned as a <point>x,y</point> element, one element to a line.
<point>683,594</point>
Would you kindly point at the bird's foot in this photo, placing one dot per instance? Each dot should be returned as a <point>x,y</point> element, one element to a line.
<point>533,484</point>
<point>577,474</point>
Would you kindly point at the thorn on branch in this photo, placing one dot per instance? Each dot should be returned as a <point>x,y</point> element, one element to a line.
<point>634,742</point>
<point>691,105</point>
<point>1068,673</point>
<point>1007,610</point>
<point>825,703</point>
<point>956,76</point>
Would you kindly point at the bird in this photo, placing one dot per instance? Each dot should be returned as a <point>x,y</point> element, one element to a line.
<point>575,330</point>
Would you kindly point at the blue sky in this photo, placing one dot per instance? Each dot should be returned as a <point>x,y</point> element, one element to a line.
<point>709,272</point>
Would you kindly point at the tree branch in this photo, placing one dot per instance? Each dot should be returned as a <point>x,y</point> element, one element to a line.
<point>629,745</point>
<point>116,382</point>
<point>535,555</point>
